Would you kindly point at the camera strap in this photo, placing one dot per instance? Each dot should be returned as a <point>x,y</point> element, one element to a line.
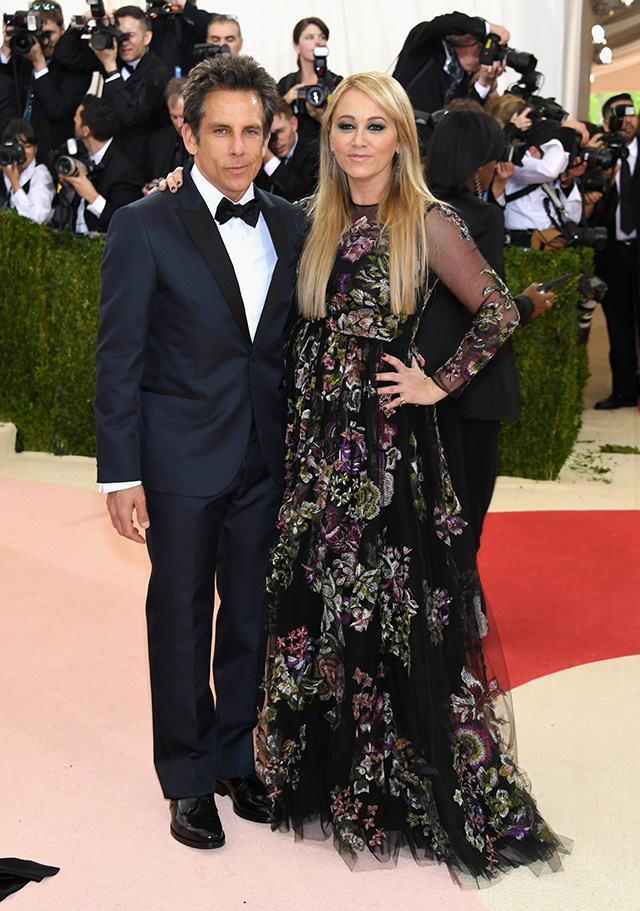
<point>523,192</point>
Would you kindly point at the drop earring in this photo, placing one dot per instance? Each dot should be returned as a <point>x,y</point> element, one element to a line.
<point>478,185</point>
<point>396,169</point>
<point>331,162</point>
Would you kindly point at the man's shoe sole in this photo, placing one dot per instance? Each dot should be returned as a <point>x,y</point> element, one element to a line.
<point>203,844</point>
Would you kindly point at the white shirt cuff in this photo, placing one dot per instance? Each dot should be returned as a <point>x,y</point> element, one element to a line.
<point>97,208</point>
<point>482,90</point>
<point>270,166</point>
<point>41,72</point>
<point>112,486</point>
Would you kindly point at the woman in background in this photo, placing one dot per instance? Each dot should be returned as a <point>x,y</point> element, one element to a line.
<point>26,187</point>
<point>461,161</point>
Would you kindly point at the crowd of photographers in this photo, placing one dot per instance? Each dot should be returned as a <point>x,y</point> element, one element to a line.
<point>91,118</point>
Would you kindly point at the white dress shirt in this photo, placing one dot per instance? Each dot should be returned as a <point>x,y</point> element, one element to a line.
<point>37,204</point>
<point>529,211</point>
<point>253,257</point>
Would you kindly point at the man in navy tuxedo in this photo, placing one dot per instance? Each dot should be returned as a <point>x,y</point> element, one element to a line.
<point>195,308</point>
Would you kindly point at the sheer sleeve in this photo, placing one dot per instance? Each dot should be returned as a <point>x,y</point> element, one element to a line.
<point>456,261</point>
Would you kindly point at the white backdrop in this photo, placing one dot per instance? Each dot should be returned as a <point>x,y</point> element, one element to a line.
<point>365,34</point>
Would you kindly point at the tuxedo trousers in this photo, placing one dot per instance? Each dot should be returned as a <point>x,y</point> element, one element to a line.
<point>621,305</point>
<point>196,543</point>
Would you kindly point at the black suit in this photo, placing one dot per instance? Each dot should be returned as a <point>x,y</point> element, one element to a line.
<point>188,403</point>
<point>165,152</point>
<point>296,178</point>
<point>175,36</point>
<point>140,107</point>
<point>619,265</point>
<point>470,424</point>
<point>420,64</point>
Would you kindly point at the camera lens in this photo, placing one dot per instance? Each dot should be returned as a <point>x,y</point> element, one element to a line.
<point>66,166</point>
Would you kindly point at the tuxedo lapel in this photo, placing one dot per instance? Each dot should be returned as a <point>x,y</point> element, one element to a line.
<point>275,223</point>
<point>205,235</point>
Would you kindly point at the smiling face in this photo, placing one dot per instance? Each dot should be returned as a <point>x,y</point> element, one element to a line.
<point>230,149</point>
<point>364,139</point>
<point>135,45</point>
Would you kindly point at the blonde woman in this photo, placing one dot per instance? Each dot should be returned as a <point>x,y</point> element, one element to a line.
<point>382,719</point>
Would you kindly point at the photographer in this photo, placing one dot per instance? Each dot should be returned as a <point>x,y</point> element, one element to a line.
<point>26,186</point>
<point>618,263</point>
<point>176,27</point>
<point>289,165</point>
<point>225,29</point>
<point>308,34</point>
<point>166,149</point>
<point>44,89</point>
<point>541,193</point>
<point>439,58</point>
<point>105,179</point>
<point>133,77</point>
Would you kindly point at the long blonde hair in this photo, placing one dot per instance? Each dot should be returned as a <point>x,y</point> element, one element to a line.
<point>401,211</point>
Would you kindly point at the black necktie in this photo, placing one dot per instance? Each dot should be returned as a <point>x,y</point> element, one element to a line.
<point>249,212</point>
<point>626,206</point>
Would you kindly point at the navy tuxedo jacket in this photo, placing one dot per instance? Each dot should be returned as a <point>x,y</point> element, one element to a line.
<point>179,380</point>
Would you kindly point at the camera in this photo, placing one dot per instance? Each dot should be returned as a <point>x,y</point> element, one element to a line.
<point>519,61</point>
<point>593,289</point>
<point>203,51</point>
<point>11,152</point>
<point>71,159</point>
<point>603,157</point>
<point>617,115</point>
<point>157,8</point>
<point>24,28</point>
<point>98,30</point>
<point>583,236</point>
<point>316,95</point>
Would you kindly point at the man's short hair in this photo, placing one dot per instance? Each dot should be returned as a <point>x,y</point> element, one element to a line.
<point>49,10</point>
<point>227,72</point>
<point>611,102</point>
<point>134,12</point>
<point>175,87</point>
<point>20,129</point>
<point>99,116</point>
<point>283,107</point>
<point>226,17</point>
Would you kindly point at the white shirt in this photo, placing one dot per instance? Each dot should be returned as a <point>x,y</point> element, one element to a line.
<point>250,250</point>
<point>253,257</point>
<point>529,211</point>
<point>632,159</point>
<point>37,204</point>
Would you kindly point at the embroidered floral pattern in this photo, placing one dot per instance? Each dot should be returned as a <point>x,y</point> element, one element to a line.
<point>374,600</point>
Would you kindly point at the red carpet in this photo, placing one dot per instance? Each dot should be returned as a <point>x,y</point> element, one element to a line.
<point>564,587</point>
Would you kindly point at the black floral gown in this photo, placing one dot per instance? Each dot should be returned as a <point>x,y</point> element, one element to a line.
<point>382,719</point>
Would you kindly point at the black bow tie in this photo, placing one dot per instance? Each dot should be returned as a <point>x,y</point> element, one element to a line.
<point>249,212</point>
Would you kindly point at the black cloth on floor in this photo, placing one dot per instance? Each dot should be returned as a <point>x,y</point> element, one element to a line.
<point>16,873</point>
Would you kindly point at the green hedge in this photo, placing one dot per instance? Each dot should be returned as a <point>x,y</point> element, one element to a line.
<point>553,369</point>
<point>49,289</point>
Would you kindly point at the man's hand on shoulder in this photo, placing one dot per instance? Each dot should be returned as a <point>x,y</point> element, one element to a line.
<point>121,505</point>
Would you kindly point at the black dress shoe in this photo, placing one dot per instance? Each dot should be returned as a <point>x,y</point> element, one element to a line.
<point>249,797</point>
<point>617,401</point>
<point>195,822</point>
